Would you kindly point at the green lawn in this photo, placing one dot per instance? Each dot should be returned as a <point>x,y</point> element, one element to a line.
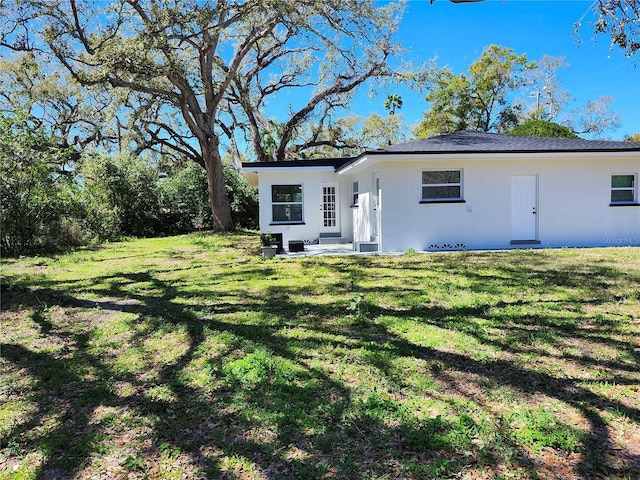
<point>191,357</point>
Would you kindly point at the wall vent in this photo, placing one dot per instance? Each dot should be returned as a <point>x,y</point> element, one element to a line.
<point>446,246</point>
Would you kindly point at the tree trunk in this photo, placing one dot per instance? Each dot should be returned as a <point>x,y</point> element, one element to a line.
<point>218,199</point>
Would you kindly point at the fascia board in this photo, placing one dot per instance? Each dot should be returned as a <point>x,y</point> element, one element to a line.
<point>361,162</point>
<point>290,169</point>
<point>376,158</point>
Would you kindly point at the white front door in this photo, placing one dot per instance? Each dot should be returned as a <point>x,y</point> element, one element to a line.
<point>375,208</point>
<point>524,207</point>
<point>329,211</point>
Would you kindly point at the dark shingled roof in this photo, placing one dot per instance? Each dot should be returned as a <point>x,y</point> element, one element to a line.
<point>314,162</point>
<point>480,142</point>
<point>470,142</point>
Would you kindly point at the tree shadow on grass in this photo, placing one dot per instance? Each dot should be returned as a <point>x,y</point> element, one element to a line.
<point>489,325</point>
<point>185,423</point>
<point>302,407</point>
<point>270,407</point>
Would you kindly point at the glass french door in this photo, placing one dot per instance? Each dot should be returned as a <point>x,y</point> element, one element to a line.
<point>329,211</point>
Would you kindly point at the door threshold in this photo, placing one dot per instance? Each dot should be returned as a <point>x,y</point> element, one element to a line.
<point>525,242</point>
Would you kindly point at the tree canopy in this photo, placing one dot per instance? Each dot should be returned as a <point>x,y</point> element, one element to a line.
<point>542,128</point>
<point>618,18</point>
<point>202,73</point>
<point>477,100</point>
<point>33,197</point>
<point>502,90</point>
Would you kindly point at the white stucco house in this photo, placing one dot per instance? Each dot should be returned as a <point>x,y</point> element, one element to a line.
<point>464,190</point>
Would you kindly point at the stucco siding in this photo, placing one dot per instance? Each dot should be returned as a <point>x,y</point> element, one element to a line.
<point>440,225</point>
<point>575,208</point>
<point>309,229</point>
<point>361,214</point>
<point>509,200</point>
<point>572,209</point>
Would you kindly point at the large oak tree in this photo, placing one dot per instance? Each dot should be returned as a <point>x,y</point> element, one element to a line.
<point>205,69</point>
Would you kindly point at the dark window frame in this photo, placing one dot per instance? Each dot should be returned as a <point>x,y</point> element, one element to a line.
<point>633,189</point>
<point>289,202</point>
<point>442,186</point>
<point>355,194</point>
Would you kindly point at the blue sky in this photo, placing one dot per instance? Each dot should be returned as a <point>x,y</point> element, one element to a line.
<point>458,33</point>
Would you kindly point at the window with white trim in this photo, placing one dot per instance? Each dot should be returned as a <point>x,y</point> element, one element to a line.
<point>355,194</point>
<point>286,203</point>
<point>441,185</point>
<point>624,189</point>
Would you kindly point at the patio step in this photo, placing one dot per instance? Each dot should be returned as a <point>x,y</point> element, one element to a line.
<point>366,246</point>
<point>332,240</point>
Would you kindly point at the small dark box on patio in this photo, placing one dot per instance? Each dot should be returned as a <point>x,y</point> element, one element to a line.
<point>296,246</point>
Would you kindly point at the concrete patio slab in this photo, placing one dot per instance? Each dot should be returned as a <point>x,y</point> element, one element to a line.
<point>316,250</point>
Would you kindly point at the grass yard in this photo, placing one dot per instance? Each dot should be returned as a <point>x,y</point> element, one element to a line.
<point>191,357</point>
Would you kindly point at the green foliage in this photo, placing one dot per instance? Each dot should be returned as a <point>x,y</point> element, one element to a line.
<point>134,462</point>
<point>361,307</point>
<point>477,100</point>
<point>73,115</point>
<point>393,103</point>
<point>380,132</point>
<point>127,186</point>
<point>168,450</point>
<point>35,195</point>
<point>184,199</point>
<point>439,433</point>
<point>45,207</point>
<point>267,239</point>
<point>168,57</point>
<point>257,369</point>
<point>542,128</point>
<point>100,217</point>
<point>449,100</point>
<point>243,198</point>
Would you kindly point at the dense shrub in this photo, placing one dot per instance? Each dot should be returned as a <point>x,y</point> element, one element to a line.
<point>542,128</point>
<point>46,205</point>
<point>125,186</point>
<point>36,195</point>
<point>242,197</point>
<point>184,200</point>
